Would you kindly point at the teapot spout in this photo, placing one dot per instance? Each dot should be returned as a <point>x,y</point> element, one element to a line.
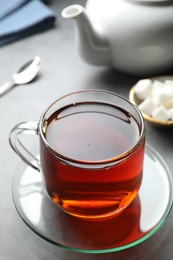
<point>92,46</point>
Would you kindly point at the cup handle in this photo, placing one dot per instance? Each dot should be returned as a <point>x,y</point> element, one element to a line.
<point>19,148</point>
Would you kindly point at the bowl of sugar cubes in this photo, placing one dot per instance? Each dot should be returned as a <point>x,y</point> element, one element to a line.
<point>154,97</point>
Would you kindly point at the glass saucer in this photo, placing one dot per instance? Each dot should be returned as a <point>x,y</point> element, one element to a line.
<point>135,224</point>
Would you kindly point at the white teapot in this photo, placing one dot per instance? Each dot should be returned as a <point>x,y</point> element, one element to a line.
<point>134,36</point>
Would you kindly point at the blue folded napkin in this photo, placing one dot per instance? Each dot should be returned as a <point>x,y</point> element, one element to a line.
<point>21,18</point>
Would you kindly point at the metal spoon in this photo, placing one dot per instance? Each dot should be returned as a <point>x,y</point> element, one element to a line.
<point>24,75</point>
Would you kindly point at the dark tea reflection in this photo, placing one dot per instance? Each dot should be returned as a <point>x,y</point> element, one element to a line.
<point>113,232</point>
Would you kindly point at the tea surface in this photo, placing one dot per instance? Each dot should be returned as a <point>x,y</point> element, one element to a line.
<point>92,132</point>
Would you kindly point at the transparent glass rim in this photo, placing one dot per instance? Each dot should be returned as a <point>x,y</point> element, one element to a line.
<point>98,162</point>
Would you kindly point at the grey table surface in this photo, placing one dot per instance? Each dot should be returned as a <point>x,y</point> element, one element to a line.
<point>62,71</point>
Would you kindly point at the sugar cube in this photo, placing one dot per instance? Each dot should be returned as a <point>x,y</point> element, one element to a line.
<point>156,97</point>
<point>157,84</point>
<point>161,113</point>
<point>163,96</point>
<point>169,90</point>
<point>169,82</point>
<point>147,106</point>
<point>143,88</point>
